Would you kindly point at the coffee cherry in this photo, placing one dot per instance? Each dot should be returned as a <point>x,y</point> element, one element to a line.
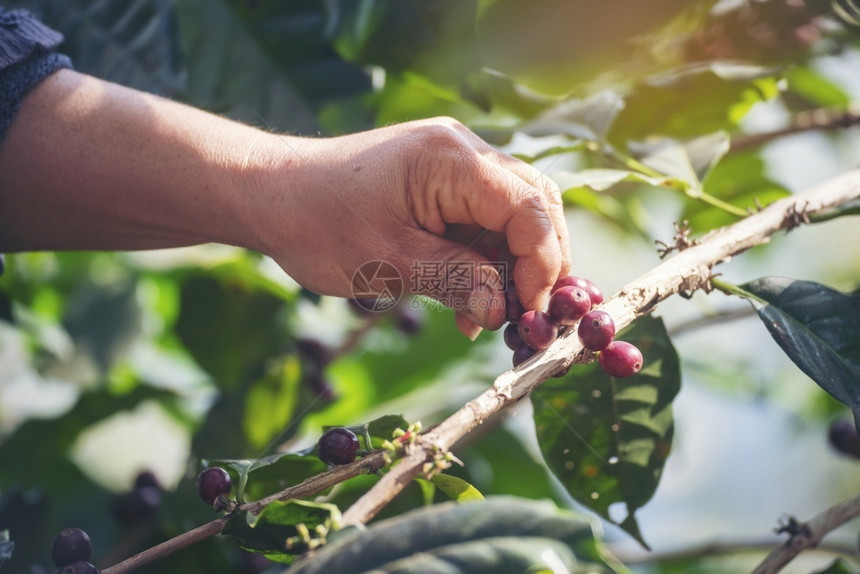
<point>620,359</point>
<point>596,330</point>
<point>522,354</point>
<point>146,478</point>
<point>589,287</point>
<point>409,320</point>
<point>212,483</point>
<point>537,329</point>
<point>314,351</point>
<point>513,307</point>
<point>567,305</point>
<point>512,337</point>
<point>81,567</point>
<point>562,372</point>
<point>320,386</point>
<point>843,437</point>
<point>338,446</point>
<point>71,545</point>
<point>137,506</point>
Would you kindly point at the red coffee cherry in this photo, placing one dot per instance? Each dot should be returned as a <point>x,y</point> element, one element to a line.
<point>586,285</point>
<point>567,305</point>
<point>537,329</point>
<point>596,330</point>
<point>621,359</point>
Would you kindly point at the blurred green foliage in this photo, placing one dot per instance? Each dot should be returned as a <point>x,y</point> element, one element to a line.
<point>628,97</point>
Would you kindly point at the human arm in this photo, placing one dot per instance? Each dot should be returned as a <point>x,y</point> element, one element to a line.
<point>88,164</point>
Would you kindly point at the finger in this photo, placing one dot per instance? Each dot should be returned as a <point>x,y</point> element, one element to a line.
<point>466,326</point>
<point>456,276</point>
<point>499,200</point>
<point>538,179</point>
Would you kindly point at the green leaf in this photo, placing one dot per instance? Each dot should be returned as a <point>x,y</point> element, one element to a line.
<point>818,328</point>
<point>383,428</point>
<point>283,530</point>
<point>739,179</point>
<point>607,439</point>
<point>25,465</point>
<point>103,320</point>
<point>689,161</point>
<point>463,538</point>
<point>588,119</point>
<point>229,71</point>
<point>271,402</point>
<point>838,566</point>
<point>230,325</point>
<point>603,179</point>
<point>133,44</point>
<point>815,89</point>
<point>256,478</point>
<point>707,98</point>
<point>455,488</point>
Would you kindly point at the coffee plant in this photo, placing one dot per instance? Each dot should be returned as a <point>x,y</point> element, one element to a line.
<point>706,150</point>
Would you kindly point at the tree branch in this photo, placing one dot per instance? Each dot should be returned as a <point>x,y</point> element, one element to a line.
<point>686,272</point>
<point>820,119</point>
<point>368,464</point>
<point>809,534</point>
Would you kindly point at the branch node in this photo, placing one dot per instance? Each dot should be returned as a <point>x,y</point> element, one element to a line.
<point>795,215</point>
<point>681,238</point>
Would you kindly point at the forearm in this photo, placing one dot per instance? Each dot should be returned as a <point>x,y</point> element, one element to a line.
<point>92,165</point>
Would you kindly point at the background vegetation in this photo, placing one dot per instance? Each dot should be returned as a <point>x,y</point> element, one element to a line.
<point>114,363</point>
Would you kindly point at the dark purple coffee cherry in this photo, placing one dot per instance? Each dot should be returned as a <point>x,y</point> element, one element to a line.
<point>409,320</point>
<point>146,478</point>
<point>139,505</point>
<point>320,386</point>
<point>562,372</point>
<point>338,446</point>
<point>843,437</point>
<point>537,329</point>
<point>512,337</point>
<point>567,305</point>
<point>596,330</point>
<point>586,285</point>
<point>522,354</point>
<point>71,545</point>
<point>81,567</point>
<point>314,351</point>
<point>513,307</point>
<point>364,307</point>
<point>212,483</point>
<point>620,359</point>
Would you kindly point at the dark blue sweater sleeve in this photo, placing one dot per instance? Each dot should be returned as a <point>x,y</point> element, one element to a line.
<point>26,57</point>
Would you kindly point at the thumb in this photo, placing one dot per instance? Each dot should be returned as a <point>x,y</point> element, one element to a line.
<point>460,278</point>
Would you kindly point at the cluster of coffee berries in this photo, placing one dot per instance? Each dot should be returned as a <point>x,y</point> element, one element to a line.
<point>338,446</point>
<point>141,503</point>
<point>315,356</point>
<point>72,551</point>
<point>571,301</point>
<point>843,437</point>
<point>214,486</point>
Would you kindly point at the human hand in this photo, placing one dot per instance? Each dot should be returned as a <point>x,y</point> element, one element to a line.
<point>410,194</point>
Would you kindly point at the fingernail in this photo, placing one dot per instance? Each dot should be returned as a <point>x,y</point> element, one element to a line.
<point>474,332</point>
<point>478,305</point>
<point>542,299</point>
